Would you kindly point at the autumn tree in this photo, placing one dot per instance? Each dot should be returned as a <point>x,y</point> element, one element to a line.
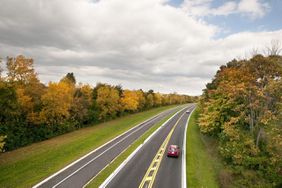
<point>31,111</point>
<point>129,100</point>
<point>108,102</point>
<point>241,107</point>
<point>157,99</point>
<point>22,76</point>
<point>141,99</point>
<point>20,70</point>
<point>56,102</point>
<point>81,104</point>
<point>2,143</point>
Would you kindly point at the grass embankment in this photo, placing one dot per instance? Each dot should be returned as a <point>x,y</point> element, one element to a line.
<point>26,166</point>
<point>202,160</point>
<point>102,176</point>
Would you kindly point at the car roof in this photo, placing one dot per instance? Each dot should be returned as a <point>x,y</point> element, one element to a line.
<point>173,146</point>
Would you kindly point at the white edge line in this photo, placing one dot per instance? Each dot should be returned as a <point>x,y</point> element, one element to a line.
<point>76,161</point>
<point>109,179</point>
<point>183,182</point>
<point>105,166</point>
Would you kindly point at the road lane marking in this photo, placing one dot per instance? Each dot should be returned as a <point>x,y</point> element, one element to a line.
<point>183,182</point>
<point>148,183</point>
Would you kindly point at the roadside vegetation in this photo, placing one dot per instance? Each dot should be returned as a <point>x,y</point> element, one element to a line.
<point>241,109</point>
<point>31,111</point>
<point>28,165</point>
<point>202,160</point>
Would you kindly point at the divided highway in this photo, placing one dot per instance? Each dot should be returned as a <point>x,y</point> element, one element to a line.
<point>81,171</point>
<point>150,167</point>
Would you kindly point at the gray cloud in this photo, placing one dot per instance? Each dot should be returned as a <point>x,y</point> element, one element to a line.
<point>139,44</point>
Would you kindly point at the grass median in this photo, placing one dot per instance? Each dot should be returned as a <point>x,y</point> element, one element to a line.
<point>102,176</point>
<point>27,166</point>
<point>202,163</point>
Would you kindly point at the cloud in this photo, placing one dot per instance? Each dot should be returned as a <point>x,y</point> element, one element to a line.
<point>144,44</point>
<point>251,8</point>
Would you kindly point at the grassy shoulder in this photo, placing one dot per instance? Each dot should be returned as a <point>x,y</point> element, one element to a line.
<point>202,161</point>
<point>103,175</point>
<point>26,166</point>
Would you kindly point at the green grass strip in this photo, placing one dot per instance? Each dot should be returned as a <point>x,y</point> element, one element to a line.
<point>102,176</point>
<point>27,166</point>
<point>200,170</point>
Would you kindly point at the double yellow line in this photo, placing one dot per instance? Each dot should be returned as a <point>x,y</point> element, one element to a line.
<point>151,173</point>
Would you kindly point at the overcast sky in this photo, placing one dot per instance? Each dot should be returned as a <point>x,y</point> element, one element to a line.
<point>164,45</point>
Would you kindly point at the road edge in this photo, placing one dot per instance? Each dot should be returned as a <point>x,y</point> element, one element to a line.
<point>183,182</point>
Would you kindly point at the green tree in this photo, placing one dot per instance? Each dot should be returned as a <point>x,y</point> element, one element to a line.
<point>69,78</point>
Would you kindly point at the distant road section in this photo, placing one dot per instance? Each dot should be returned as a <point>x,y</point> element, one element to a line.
<point>80,172</point>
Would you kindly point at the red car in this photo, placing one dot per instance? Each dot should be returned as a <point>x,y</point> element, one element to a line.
<point>173,151</point>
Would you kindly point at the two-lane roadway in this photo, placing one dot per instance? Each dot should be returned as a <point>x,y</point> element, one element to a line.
<point>150,167</point>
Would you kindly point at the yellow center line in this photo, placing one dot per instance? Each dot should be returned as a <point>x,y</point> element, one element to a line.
<point>150,175</point>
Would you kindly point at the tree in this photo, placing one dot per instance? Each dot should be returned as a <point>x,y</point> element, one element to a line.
<point>20,70</point>
<point>107,102</point>
<point>129,100</point>
<point>274,49</point>
<point>149,100</point>
<point>81,104</point>
<point>241,107</point>
<point>56,102</point>
<point>2,143</point>
<point>141,99</point>
<point>69,78</point>
<point>22,76</point>
<point>8,103</point>
<point>157,99</point>
<point>1,69</point>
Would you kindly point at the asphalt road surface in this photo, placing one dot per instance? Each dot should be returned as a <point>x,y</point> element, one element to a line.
<point>78,174</point>
<point>168,173</point>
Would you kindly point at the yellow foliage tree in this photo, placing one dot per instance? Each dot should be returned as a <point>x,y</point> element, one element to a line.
<point>2,143</point>
<point>108,102</point>
<point>56,103</point>
<point>149,100</point>
<point>129,100</point>
<point>157,99</point>
<point>24,101</point>
<point>20,69</point>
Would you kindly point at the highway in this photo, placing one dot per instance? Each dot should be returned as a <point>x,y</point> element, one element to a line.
<point>81,171</point>
<point>150,167</point>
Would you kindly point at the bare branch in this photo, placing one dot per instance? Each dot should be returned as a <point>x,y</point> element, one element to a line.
<point>274,48</point>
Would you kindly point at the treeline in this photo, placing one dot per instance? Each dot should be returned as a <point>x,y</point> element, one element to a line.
<point>31,111</point>
<point>242,109</point>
